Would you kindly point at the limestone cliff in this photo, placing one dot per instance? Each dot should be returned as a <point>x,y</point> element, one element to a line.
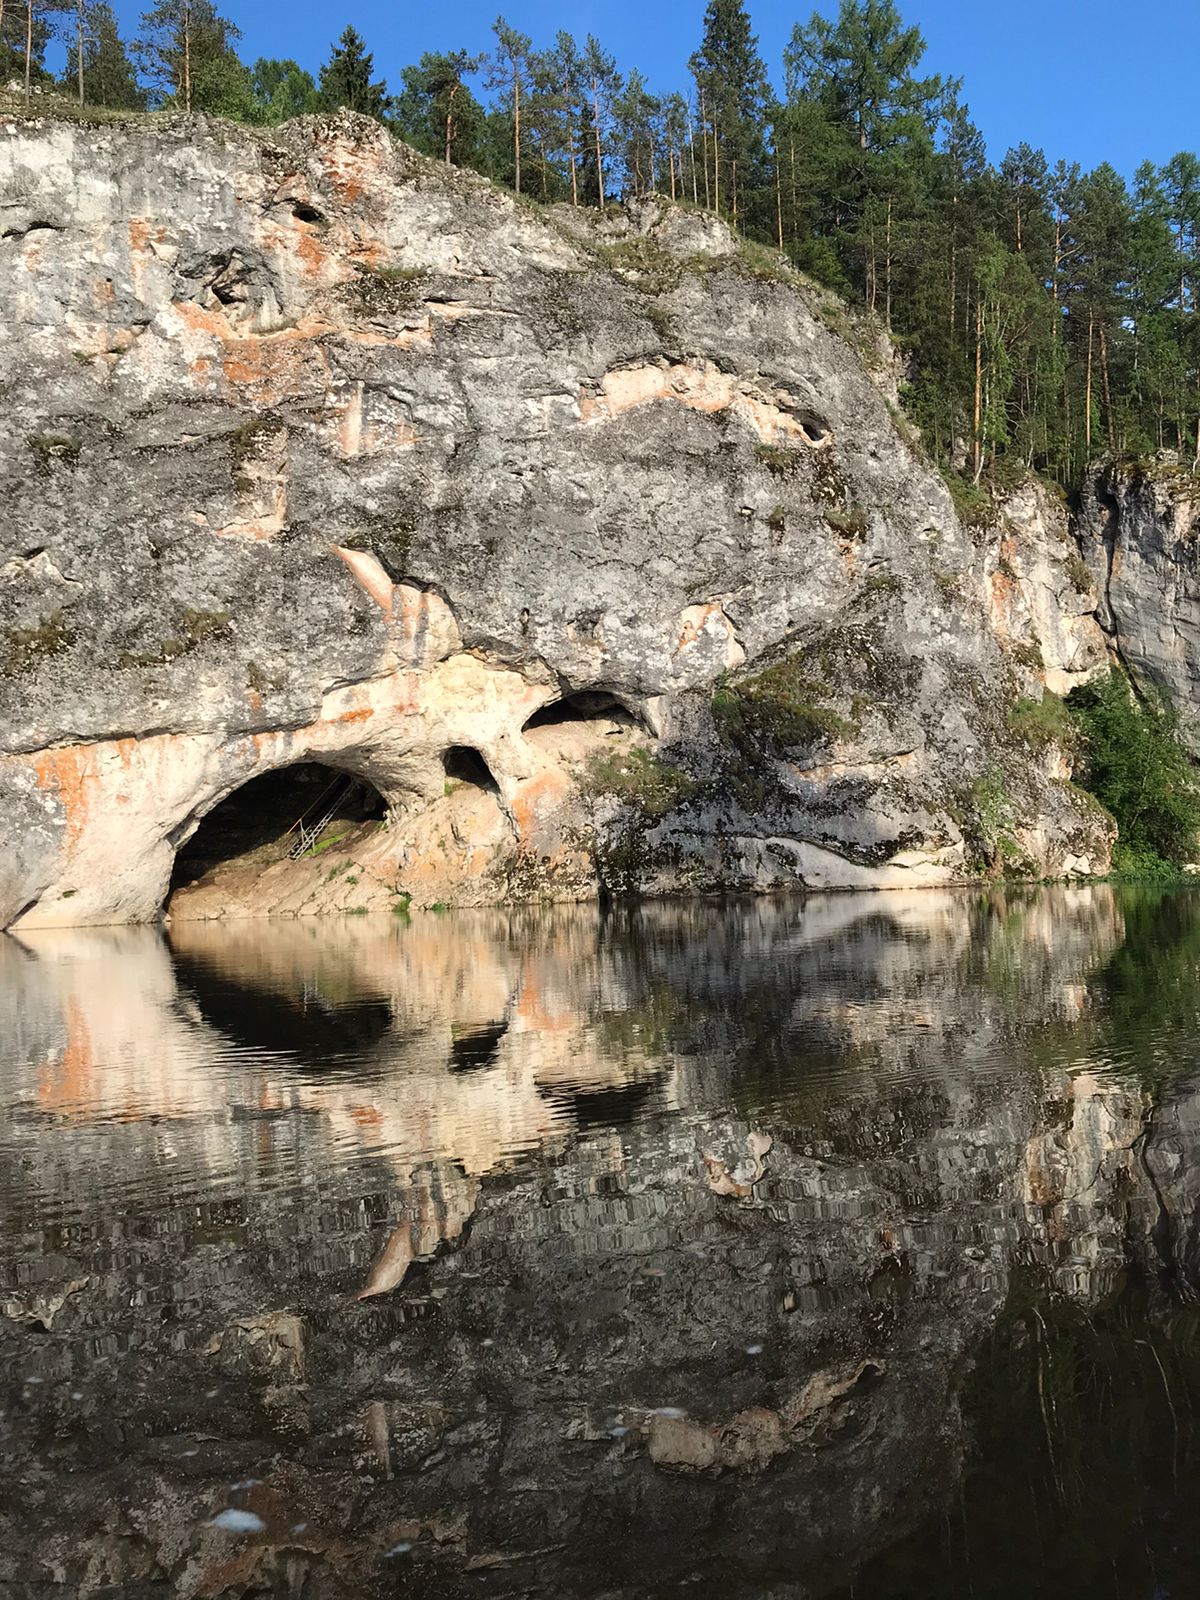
<point>318,451</point>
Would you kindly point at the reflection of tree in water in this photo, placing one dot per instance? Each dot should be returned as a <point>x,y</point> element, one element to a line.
<point>1084,1472</point>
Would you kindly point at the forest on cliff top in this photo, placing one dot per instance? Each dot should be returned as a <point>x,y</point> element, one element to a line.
<point>1044,314</point>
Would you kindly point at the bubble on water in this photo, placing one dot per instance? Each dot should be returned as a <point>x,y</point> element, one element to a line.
<point>487,1343</point>
<point>189,1452</point>
<point>35,1380</point>
<point>400,1549</point>
<point>754,1349</point>
<point>669,1411</point>
<point>246,1483</point>
<point>300,1527</point>
<point>76,1394</point>
<point>618,1432</point>
<point>233,1520</point>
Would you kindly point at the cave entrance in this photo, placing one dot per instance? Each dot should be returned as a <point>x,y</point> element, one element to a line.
<point>282,813</point>
<point>586,705</point>
<point>464,764</point>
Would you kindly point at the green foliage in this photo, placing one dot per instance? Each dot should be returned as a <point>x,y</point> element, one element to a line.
<point>640,779</point>
<point>185,53</point>
<point>436,111</point>
<point>346,79</point>
<point>995,819</point>
<point>281,90</point>
<point>781,461</point>
<point>1137,768</point>
<point>109,76</point>
<point>1043,723</point>
<point>973,505</point>
<point>780,706</point>
<point>730,74</point>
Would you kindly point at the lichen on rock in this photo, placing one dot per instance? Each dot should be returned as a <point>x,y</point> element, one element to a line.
<point>438,460</point>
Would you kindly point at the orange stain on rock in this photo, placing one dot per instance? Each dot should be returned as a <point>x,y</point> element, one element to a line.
<point>535,796</point>
<point>69,772</point>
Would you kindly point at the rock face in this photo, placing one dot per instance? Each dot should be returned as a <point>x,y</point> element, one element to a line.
<point>318,451</point>
<point>1140,533</point>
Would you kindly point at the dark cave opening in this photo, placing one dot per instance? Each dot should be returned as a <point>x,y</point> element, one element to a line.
<point>464,764</point>
<point>263,818</point>
<point>586,705</point>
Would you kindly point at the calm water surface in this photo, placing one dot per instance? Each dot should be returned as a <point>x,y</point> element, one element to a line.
<point>844,1247</point>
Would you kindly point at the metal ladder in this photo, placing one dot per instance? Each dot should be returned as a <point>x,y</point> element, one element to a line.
<point>323,810</point>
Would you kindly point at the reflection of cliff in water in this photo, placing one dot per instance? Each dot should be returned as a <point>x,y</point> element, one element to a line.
<point>799,1174</point>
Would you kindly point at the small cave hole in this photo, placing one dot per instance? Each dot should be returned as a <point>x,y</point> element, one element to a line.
<point>303,212</point>
<point>464,764</point>
<point>814,431</point>
<point>587,705</point>
<point>260,823</point>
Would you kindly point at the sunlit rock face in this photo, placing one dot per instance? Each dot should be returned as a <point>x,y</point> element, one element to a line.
<point>316,450</point>
<point>638,1231</point>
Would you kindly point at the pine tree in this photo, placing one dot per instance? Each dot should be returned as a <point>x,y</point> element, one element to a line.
<point>509,71</point>
<point>346,79</point>
<point>861,70</point>
<point>732,80</point>
<point>603,84</point>
<point>180,42</point>
<point>25,32</point>
<point>108,77</point>
<point>436,111</point>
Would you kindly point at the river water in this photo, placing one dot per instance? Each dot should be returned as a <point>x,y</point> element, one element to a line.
<point>846,1246</point>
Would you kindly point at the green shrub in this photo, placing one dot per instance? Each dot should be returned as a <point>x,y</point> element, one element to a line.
<point>1136,767</point>
<point>848,521</point>
<point>780,705</point>
<point>640,779</point>
<point>1044,722</point>
<point>973,504</point>
<point>780,460</point>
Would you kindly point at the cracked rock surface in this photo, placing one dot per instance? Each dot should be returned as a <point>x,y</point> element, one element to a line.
<point>318,450</point>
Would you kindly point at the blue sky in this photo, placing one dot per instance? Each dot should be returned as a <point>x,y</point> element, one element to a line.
<point>1088,80</point>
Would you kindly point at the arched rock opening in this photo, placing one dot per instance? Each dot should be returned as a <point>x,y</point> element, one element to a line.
<point>585,705</point>
<point>261,822</point>
<point>464,764</point>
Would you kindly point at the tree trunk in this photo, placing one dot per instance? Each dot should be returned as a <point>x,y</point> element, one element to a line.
<point>571,149</point>
<point>79,45</point>
<point>778,197</point>
<point>1108,410</point>
<point>691,151</point>
<point>978,414</point>
<point>596,127</point>
<point>187,58</point>
<point>450,120</point>
<point>704,148</point>
<point>1087,421</point>
<point>671,169</point>
<point>887,270</point>
<point>792,148</point>
<point>28,48</point>
<point>516,126</point>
